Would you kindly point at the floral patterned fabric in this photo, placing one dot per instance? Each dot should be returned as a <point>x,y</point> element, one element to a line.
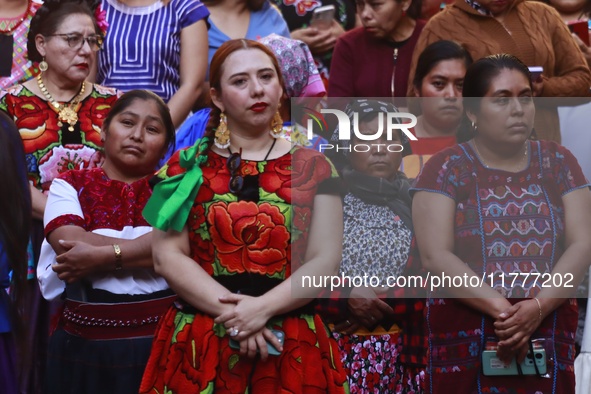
<point>376,243</point>
<point>49,149</point>
<point>372,366</point>
<point>504,223</point>
<point>249,243</point>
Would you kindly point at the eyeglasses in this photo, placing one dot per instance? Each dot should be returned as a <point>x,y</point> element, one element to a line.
<point>76,41</point>
<point>236,181</point>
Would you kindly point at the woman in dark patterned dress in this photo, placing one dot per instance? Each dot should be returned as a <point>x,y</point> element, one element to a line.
<point>502,207</point>
<point>241,220</point>
<point>377,242</point>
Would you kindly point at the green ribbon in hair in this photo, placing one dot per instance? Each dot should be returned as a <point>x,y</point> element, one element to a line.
<point>173,197</point>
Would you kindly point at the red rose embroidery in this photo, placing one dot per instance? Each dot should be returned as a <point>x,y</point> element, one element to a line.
<point>246,234</point>
<point>92,114</point>
<point>201,250</point>
<point>295,180</point>
<point>37,123</point>
<point>191,357</point>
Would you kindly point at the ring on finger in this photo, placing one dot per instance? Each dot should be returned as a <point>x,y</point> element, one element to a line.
<point>234,331</point>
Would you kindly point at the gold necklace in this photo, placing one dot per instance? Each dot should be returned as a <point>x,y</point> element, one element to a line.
<point>67,113</point>
<point>482,158</point>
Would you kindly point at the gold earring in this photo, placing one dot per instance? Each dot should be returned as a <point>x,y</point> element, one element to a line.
<point>43,66</point>
<point>222,133</point>
<point>277,126</point>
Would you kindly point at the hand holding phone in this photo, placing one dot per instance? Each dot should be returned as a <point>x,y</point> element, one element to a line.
<point>536,72</point>
<point>322,17</point>
<point>280,335</point>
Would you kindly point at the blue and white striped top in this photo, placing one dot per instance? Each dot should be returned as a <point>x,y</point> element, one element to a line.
<point>142,47</point>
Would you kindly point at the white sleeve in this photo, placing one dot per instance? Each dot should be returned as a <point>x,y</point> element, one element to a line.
<point>62,200</point>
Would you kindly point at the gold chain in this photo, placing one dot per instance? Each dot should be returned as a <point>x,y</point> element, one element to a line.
<point>482,158</point>
<point>67,113</point>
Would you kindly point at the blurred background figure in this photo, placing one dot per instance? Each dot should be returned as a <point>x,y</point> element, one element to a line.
<point>15,20</point>
<point>438,83</point>
<point>530,30</point>
<point>320,39</point>
<point>429,8</point>
<point>576,12</point>
<point>502,204</point>
<point>98,256</point>
<point>251,19</point>
<point>59,116</point>
<point>374,60</point>
<point>159,46</point>
<point>15,221</point>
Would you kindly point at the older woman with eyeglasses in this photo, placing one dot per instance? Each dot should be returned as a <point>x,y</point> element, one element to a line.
<point>58,114</point>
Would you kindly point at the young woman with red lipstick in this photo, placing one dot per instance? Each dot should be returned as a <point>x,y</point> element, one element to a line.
<point>257,214</point>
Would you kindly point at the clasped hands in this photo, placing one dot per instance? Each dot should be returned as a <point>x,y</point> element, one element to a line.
<point>514,327</point>
<point>245,321</point>
<point>365,310</point>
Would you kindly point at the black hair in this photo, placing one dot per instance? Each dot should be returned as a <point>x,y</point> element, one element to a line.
<point>51,15</point>
<point>128,98</point>
<point>477,83</point>
<point>438,52</point>
<point>15,220</point>
<point>414,9</point>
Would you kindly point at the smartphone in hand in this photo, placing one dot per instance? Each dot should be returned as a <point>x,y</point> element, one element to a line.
<point>322,17</point>
<point>535,72</point>
<point>280,335</point>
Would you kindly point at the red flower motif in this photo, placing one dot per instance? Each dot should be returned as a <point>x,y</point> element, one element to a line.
<point>37,123</point>
<point>202,250</point>
<point>296,179</point>
<point>174,165</point>
<point>234,370</point>
<point>244,233</point>
<point>92,114</point>
<point>191,357</point>
<point>217,174</point>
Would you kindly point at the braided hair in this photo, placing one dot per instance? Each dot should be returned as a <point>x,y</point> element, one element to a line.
<point>51,15</point>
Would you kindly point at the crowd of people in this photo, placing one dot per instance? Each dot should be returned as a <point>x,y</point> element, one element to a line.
<point>165,201</point>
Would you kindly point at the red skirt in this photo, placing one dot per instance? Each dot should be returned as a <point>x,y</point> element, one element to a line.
<point>191,354</point>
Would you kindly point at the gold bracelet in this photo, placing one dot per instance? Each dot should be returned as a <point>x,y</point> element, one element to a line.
<point>539,307</point>
<point>118,258</point>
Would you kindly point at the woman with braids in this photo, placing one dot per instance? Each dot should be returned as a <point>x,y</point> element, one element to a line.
<point>15,220</point>
<point>59,116</point>
<point>238,222</point>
